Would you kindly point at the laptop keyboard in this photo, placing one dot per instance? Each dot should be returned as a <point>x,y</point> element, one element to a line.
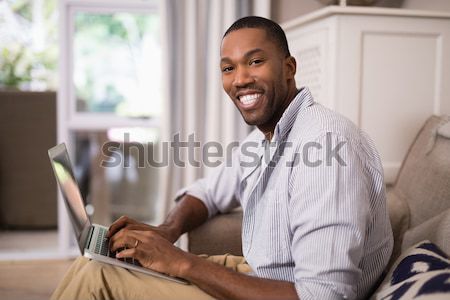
<point>102,244</point>
<point>102,248</point>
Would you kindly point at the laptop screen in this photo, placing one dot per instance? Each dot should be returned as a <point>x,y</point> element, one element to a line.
<point>69,188</point>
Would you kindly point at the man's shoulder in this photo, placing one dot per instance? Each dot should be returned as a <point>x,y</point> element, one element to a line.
<point>316,121</point>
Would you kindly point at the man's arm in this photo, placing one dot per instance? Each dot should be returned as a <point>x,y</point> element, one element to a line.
<point>154,249</point>
<point>157,253</point>
<point>329,213</point>
<point>188,214</point>
<point>217,193</point>
<point>223,283</point>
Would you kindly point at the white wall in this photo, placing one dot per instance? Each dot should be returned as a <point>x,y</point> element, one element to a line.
<point>441,5</point>
<point>284,10</point>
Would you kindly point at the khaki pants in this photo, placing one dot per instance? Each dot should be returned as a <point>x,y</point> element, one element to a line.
<point>88,279</point>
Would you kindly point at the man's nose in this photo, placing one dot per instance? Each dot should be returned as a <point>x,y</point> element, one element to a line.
<point>242,77</point>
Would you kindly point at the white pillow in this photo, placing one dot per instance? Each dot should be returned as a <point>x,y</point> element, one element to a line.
<point>421,272</point>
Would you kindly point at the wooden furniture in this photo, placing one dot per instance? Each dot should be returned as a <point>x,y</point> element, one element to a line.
<point>27,185</point>
<point>387,70</point>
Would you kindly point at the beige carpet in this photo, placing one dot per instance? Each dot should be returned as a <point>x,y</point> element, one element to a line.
<point>33,280</point>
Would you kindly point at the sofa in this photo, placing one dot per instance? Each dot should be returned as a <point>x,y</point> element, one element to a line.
<point>419,211</point>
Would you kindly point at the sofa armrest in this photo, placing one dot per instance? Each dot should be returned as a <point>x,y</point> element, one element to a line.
<point>436,230</point>
<point>219,235</point>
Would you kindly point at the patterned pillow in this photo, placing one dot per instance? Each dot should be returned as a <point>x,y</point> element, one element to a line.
<point>422,272</point>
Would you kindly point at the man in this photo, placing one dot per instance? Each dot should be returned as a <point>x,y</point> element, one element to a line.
<point>315,223</point>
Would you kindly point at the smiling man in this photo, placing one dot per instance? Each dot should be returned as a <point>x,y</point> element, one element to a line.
<point>313,227</point>
<point>258,75</point>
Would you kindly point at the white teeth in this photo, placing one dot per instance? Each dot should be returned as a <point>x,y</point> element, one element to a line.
<point>249,99</point>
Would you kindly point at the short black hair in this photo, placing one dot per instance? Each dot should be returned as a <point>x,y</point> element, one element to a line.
<point>272,29</point>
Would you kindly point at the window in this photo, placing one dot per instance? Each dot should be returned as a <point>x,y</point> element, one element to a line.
<point>117,63</point>
<point>28,44</point>
<point>111,91</point>
<point>113,55</point>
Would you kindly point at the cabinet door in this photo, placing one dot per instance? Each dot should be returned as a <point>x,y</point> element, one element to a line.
<point>390,79</point>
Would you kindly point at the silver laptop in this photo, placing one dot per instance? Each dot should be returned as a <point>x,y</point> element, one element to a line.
<point>91,238</point>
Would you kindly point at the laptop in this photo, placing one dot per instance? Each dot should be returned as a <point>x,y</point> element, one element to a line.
<point>91,238</point>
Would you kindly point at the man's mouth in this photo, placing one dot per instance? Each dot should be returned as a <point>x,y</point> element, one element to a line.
<point>249,100</point>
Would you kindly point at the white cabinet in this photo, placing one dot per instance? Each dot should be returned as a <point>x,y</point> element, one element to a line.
<point>387,70</point>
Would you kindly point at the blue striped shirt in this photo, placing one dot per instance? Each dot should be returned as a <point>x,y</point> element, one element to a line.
<point>313,200</point>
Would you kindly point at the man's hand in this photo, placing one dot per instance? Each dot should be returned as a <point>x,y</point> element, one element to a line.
<point>125,222</point>
<point>156,253</point>
<point>151,249</point>
<point>153,246</point>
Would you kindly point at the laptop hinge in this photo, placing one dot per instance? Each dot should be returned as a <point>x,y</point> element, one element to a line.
<point>89,237</point>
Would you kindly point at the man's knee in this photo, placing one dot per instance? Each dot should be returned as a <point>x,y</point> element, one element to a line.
<point>91,269</point>
<point>82,281</point>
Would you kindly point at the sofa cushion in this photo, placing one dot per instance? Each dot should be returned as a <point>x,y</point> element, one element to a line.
<point>219,235</point>
<point>437,230</point>
<point>399,218</point>
<point>421,272</point>
<point>423,180</point>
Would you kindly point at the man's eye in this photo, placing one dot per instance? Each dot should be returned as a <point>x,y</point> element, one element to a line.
<point>227,69</point>
<point>256,61</point>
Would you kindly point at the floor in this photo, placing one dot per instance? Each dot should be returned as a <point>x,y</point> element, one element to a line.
<point>22,276</point>
<point>28,240</point>
<point>33,280</point>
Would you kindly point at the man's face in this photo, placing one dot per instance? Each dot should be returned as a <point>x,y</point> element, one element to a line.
<point>255,75</point>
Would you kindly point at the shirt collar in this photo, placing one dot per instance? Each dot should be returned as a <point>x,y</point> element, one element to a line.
<point>302,99</point>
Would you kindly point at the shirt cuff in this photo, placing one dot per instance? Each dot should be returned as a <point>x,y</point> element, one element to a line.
<point>197,190</point>
<point>309,289</point>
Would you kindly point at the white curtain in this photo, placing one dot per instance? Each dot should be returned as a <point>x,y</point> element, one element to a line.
<point>196,102</point>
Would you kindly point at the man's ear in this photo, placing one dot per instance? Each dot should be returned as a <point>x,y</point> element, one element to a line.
<point>291,67</point>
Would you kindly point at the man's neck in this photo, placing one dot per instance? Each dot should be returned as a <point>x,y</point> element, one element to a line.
<point>270,129</point>
<point>269,135</point>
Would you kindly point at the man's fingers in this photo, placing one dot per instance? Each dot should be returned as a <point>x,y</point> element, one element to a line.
<point>125,238</point>
<point>119,224</point>
<point>139,254</point>
<point>139,227</point>
<point>132,252</point>
<point>152,251</point>
<point>121,242</point>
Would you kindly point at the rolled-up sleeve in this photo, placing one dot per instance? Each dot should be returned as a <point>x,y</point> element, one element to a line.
<point>329,209</point>
<point>219,191</point>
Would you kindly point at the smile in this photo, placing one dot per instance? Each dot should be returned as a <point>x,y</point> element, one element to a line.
<point>249,100</point>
